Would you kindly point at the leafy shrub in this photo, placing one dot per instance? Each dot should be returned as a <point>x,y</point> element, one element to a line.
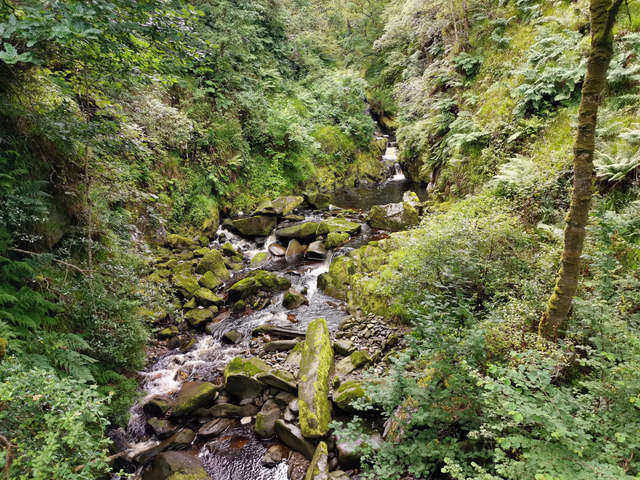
<point>553,73</point>
<point>54,425</point>
<point>467,64</point>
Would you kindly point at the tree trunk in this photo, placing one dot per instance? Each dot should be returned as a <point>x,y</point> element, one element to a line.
<point>603,15</point>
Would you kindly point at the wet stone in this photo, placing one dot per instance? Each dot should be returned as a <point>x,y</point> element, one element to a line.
<point>215,427</point>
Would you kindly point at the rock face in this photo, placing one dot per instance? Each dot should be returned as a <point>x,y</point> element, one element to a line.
<point>258,280</point>
<point>396,216</point>
<point>292,437</point>
<point>193,395</point>
<point>303,231</point>
<point>176,466</point>
<point>319,467</point>
<point>313,386</point>
<point>256,226</point>
<point>240,379</point>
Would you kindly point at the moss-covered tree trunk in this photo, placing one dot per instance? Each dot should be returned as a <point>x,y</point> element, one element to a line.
<point>603,15</point>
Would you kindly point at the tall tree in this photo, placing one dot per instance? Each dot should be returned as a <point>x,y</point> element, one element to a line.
<point>603,16</point>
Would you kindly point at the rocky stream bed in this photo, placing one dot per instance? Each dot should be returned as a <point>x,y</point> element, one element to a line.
<point>244,384</point>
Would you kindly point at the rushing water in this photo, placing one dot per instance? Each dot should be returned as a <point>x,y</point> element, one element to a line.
<point>237,453</point>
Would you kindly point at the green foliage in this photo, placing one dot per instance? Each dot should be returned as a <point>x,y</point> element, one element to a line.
<point>554,71</point>
<point>55,424</point>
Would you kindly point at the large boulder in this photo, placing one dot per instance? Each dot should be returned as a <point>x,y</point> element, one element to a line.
<point>256,226</point>
<point>186,283</point>
<point>240,375</point>
<point>176,466</point>
<point>319,467</point>
<point>319,201</point>
<point>198,317</point>
<point>313,386</point>
<point>396,216</point>
<point>335,239</point>
<point>194,395</point>
<point>295,251</point>
<point>280,206</point>
<point>257,281</point>
<point>316,250</point>
<point>342,225</point>
<point>303,232</point>
<point>292,437</point>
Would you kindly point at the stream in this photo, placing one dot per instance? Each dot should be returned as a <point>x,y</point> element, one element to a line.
<point>237,453</point>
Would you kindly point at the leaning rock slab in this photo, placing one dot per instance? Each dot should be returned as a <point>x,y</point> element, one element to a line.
<point>266,419</point>
<point>292,437</point>
<point>313,386</point>
<point>280,379</point>
<point>319,467</point>
<point>346,393</point>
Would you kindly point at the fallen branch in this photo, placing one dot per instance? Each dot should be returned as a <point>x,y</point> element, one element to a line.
<point>9,456</point>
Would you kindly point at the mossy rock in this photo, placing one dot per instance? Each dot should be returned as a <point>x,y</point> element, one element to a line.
<point>346,393</point>
<point>213,262</point>
<point>207,297</point>
<point>319,201</point>
<point>335,281</point>
<point>259,259</point>
<point>303,231</point>
<point>239,375</point>
<point>211,223</point>
<point>183,267</point>
<point>194,395</point>
<point>319,466</point>
<point>190,304</point>
<point>293,299</point>
<point>341,225</point>
<point>176,241</point>
<point>295,355</point>
<point>186,283</point>
<point>280,206</point>
<point>198,317</point>
<point>256,226</point>
<point>257,281</point>
<point>210,280</point>
<point>279,379</point>
<point>313,385</point>
<point>168,332</point>
<point>335,239</point>
<point>266,419</point>
<point>352,362</point>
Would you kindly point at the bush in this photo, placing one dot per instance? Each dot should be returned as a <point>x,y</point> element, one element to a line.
<point>54,424</point>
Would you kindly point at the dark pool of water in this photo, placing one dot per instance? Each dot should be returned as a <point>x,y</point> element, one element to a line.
<point>365,196</point>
